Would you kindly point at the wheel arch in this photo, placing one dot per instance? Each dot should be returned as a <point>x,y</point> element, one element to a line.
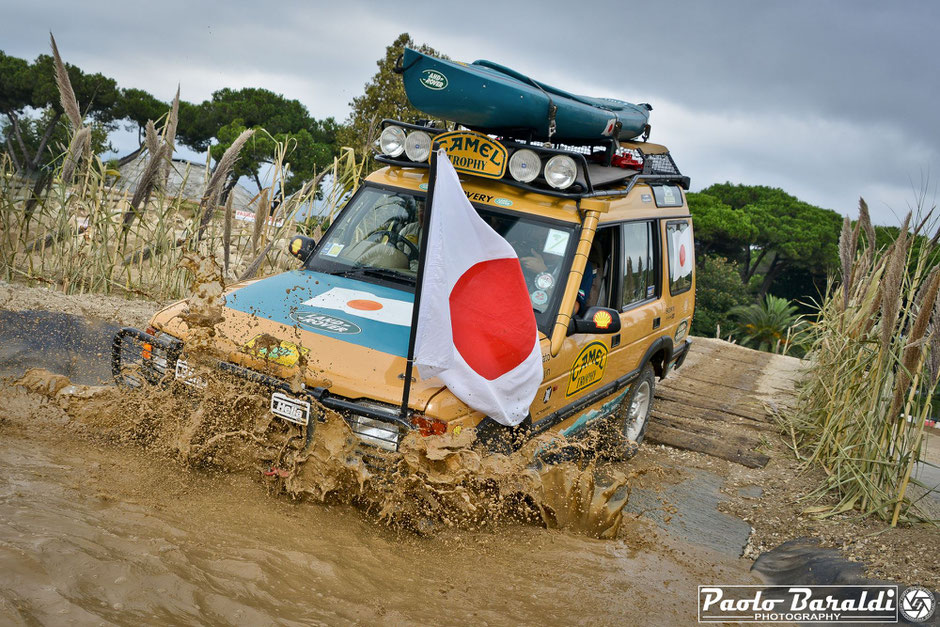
<point>658,355</point>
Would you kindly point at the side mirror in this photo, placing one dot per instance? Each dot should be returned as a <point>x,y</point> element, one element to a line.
<point>597,320</point>
<point>301,247</point>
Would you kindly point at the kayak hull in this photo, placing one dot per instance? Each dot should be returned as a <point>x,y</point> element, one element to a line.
<point>490,97</point>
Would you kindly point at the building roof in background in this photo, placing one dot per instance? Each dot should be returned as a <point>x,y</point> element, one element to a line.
<point>187,179</point>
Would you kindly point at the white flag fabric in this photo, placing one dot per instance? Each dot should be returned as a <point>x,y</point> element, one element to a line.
<point>682,260</point>
<point>476,329</point>
<point>365,305</point>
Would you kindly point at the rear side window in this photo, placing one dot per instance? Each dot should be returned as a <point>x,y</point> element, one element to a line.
<point>681,255</point>
<point>639,279</point>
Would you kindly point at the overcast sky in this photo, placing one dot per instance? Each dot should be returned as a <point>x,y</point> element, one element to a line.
<point>829,100</point>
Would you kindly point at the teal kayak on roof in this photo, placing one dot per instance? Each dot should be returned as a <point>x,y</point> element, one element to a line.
<point>489,97</point>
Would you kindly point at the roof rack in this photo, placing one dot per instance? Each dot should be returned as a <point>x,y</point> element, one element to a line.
<point>597,177</point>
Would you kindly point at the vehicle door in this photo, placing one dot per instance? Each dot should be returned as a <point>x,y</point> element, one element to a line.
<point>582,365</point>
<point>641,304</point>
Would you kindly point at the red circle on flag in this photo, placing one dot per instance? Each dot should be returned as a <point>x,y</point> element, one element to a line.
<point>491,317</point>
<point>364,305</point>
<point>682,255</point>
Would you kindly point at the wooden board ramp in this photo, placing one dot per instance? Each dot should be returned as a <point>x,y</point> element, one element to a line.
<point>717,403</point>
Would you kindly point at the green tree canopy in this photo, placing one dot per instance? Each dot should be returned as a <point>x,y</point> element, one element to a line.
<point>31,142</point>
<point>718,289</point>
<point>383,97</point>
<point>139,107</point>
<point>766,230</point>
<point>311,142</point>
<point>719,228</point>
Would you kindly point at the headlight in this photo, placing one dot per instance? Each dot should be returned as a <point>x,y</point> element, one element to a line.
<point>561,171</point>
<point>392,141</point>
<point>418,146</point>
<point>524,165</point>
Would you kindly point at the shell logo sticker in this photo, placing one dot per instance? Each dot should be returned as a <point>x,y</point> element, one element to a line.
<point>602,320</point>
<point>588,367</point>
<point>295,245</point>
<point>474,153</point>
<point>432,79</point>
<point>280,352</point>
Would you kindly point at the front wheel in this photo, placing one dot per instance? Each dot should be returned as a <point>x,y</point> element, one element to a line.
<point>633,415</point>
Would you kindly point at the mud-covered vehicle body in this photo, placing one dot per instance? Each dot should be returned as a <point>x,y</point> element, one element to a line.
<point>335,332</point>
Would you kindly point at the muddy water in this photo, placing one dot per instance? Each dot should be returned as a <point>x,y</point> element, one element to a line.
<point>98,527</point>
<point>92,532</point>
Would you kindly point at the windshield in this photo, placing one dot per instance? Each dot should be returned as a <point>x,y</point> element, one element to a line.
<point>377,236</point>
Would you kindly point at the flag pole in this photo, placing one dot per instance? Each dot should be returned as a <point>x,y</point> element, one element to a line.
<point>419,283</point>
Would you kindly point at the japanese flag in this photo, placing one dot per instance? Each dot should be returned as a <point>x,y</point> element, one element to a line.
<point>364,305</point>
<point>476,329</point>
<point>681,262</point>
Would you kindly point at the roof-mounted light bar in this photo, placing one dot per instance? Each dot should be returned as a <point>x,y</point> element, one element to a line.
<point>532,166</point>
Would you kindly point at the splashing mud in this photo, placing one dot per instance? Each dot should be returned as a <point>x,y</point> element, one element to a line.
<point>432,482</point>
<point>206,304</point>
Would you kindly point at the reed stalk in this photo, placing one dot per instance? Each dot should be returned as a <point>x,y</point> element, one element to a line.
<point>873,369</point>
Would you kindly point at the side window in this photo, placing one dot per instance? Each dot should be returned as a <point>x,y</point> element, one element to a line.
<point>600,273</point>
<point>639,278</point>
<point>681,255</point>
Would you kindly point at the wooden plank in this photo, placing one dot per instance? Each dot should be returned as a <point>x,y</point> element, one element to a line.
<point>733,450</point>
<point>692,414</point>
<point>747,411</point>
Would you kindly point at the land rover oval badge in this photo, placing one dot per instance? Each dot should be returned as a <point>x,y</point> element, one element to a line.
<point>432,79</point>
<point>321,322</point>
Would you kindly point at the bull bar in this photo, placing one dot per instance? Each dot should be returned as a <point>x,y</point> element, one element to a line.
<point>352,411</point>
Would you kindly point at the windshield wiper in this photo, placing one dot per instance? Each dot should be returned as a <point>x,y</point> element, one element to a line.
<point>383,273</point>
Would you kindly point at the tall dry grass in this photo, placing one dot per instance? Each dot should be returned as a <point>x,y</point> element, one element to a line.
<point>874,366</point>
<point>81,235</point>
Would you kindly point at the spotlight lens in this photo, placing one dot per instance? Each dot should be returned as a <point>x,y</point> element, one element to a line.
<point>392,141</point>
<point>418,146</point>
<point>524,165</point>
<point>561,171</point>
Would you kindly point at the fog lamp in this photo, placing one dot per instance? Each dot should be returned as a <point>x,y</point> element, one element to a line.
<point>524,165</point>
<point>392,141</point>
<point>418,146</point>
<point>561,171</point>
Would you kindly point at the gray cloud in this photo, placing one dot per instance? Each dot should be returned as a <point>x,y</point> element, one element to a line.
<point>829,100</point>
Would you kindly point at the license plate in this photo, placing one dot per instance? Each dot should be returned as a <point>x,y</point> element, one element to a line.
<point>290,409</point>
<point>185,374</point>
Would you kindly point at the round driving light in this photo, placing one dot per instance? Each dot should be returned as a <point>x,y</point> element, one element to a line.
<point>524,165</point>
<point>418,146</point>
<point>561,171</point>
<point>392,141</point>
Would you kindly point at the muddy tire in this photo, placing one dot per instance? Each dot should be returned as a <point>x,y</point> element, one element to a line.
<point>633,415</point>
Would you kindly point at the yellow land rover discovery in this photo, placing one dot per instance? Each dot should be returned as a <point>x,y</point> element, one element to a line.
<point>604,238</point>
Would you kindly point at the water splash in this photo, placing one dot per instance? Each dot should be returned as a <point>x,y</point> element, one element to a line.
<point>433,482</point>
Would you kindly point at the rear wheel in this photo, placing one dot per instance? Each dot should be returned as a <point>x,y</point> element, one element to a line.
<point>633,415</point>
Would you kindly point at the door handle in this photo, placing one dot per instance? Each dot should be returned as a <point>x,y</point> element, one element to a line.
<point>615,341</point>
<point>655,323</point>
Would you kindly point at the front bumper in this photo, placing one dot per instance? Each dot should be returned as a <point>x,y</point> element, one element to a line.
<point>376,424</point>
